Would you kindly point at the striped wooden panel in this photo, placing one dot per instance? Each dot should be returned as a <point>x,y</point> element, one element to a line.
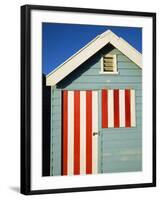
<point>118,108</point>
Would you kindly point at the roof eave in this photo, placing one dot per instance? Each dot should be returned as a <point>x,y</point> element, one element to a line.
<point>90,49</point>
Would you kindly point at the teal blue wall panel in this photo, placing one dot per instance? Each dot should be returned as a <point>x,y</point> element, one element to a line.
<point>120,149</point>
<point>55,168</point>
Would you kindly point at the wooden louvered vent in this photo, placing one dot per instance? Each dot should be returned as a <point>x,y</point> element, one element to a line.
<point>109,64</point>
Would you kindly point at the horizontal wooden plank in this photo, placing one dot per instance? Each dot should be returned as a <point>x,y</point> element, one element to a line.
<point>56,126</point>
<point>138,106</point>
<point>138,124</point>
<point>107,145</point>
<point>122,65</point>
<point>139,117</point>
<point>97,86</point>
<point>138,113</point>
<point>122,167</point>
<point>58,99</point>
<point>130,138</point>
<point>130,71</point>
<point>121,131</point>
<point>106,79</point>
<point>56,109</point>
<point>56,114</point>
<point>138,99</point>
<point>138,93</point>
<point>122,158</point>
<point>56,153</point>
<point>56,102</point>
<point>122,72</point>
<point>121,57</point>
<point>120,135</point>
<point>55,141</point>
<point>122,152</point>
<point>120,139</point>
<point>56,93</point>
<point>128,66</point>
<point>56,117</point>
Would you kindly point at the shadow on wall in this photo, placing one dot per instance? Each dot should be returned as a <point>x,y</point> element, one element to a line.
<point>46,128</point>
<point>84,67</point>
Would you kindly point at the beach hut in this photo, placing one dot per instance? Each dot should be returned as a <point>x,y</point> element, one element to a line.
<point>96,109</point>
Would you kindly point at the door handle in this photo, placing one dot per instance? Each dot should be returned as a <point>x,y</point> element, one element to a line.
<point>96,133</point>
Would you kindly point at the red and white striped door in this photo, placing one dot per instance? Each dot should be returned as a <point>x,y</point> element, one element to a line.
<point>79,132</point>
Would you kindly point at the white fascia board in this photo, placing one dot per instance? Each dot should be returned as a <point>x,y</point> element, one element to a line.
<point>128,51</point>
<point>90,49</point>
<point>61,72</point>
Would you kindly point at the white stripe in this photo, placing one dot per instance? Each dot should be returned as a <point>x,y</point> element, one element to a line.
<point>82,132</point>
<point>70,132</point>
<point>133,117</point>
<point>122,107</point>
<point>94,129</point>
<point>110,109</point>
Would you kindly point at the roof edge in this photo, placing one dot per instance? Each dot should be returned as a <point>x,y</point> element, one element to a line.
<point>90,49</point>
<point>98,36</point>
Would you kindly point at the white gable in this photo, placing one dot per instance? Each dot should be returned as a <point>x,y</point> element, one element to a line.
<point>89,50</point>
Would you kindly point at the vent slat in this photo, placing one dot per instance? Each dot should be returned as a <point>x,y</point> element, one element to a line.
<point>108,63</point>
<point>108,60</point>
<point>107,57</point>
<point>108,68</point>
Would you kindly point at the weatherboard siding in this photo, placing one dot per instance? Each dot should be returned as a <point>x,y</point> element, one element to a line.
<point>120,149</point>
<point>55,164</point>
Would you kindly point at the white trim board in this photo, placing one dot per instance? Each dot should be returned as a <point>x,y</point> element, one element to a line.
<point>89,50</point>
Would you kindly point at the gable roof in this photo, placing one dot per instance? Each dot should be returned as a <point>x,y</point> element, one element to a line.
<point>89,50</point>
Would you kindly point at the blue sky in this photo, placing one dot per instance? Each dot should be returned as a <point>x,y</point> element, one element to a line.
<point>60,41</point>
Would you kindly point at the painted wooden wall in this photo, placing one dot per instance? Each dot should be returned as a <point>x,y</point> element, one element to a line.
<point>55,161</point>
<point>120,150</point>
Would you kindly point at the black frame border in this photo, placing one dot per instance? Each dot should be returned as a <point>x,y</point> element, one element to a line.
<point>25,182</point>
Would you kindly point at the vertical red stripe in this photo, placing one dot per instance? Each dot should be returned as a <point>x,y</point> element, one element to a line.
<point>65,131</point>
<point>104,108</point>
<point>76,132</point>
<point>116,108</point>
<point>89,132</point>
<point>127,108</point>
